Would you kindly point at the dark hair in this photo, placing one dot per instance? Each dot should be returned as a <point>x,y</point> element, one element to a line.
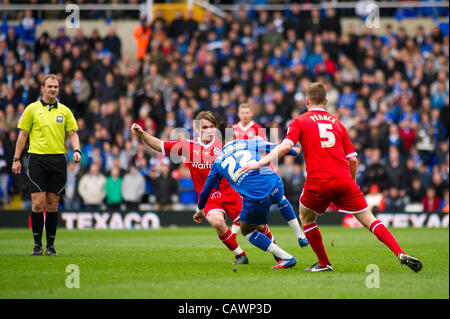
<point>223,128</point>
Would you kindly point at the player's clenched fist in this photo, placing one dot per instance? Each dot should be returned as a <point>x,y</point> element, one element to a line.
<point>136,129</point>
<point>199,216</point>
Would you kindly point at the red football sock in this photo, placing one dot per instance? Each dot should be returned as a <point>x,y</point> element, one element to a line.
<point>385,236</point>
<point>314,237</point>
<point>229,239</point>
<point>267,232</point>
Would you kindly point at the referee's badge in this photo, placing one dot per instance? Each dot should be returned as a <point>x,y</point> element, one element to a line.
<point>59,119</point>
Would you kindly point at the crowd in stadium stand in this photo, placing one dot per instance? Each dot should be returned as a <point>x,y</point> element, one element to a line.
<point>391,93</point>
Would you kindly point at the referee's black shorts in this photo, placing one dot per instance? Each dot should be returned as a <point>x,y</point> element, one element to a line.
<point>47,173</point>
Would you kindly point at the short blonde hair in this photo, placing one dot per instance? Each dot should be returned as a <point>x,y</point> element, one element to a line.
<point>316,93</point>
<point>49,76</point>
<point>244,106</point>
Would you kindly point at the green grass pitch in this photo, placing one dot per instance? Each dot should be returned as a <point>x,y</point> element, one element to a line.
<point>192,263</point>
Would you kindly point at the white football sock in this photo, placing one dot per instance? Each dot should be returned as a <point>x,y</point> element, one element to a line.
<point>235,228</point>
<point>295,226</point>
<point>238,251</point>
<point>274,249</point>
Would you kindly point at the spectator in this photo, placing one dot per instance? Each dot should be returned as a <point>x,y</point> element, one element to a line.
<point>28,25</point>
<point>72,200</point>
<point>431,202</point>
<point>331,23</point>
<point>293,182</point>
<point>190,25</point>
<point>438,183</point>
<point>375,199</point>
<point>92,188</point>
<point>272,36</point>
<point>113,189</point>
<point>133,188</point>
<point>62,38</point>
<point>113,43</point>
<point>416,191</point>
<point>158,32</point>
<point>68,96</point>
<point>142,34</point>
<point>438,98</point>
<point>186,187</point>
<point>347,98</point>
<point>395,170</point>
<point>82,90</point>
<point>177,25</point>
<point>159,16</point>
<point>165,187</point>
<point>375,173</point>
<point>425,175</point>
<point>394,202</point>
<point>407,133</point>
<point>108,90</point>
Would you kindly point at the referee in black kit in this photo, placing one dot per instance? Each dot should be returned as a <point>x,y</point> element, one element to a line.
<point>46,122</point>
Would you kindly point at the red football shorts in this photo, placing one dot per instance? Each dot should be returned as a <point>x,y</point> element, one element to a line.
<point>343,192</point>
<point>228,204</point>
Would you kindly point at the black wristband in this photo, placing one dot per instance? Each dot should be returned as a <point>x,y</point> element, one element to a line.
<point>15,159</point>
<point>77,151</point>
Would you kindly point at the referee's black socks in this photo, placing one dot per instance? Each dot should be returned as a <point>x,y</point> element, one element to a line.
<point>51,221</point>
<point>37,225</point>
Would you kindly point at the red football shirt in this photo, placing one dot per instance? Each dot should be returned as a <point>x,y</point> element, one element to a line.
<point>199,158</point>
<point>325,144</point>
<point>249,131</point>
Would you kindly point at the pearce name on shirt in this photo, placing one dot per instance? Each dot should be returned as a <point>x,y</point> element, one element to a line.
<point>324,117</point>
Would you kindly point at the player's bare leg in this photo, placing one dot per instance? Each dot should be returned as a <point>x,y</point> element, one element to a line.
<point>216,219</point>
<point>263,242</point>
<point>368,220</point>
<point>312,233</point>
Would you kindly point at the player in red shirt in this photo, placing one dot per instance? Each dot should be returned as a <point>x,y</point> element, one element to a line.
<point>331,167</point>
<point>247,129</point>
<point>200,154</point>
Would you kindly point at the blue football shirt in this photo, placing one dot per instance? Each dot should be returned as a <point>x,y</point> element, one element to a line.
<point>253,184</point>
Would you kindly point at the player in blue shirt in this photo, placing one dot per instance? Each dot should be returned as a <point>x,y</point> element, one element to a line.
<point>259,190</point>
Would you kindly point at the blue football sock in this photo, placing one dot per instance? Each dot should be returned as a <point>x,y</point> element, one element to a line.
<point>286,210</point>
<point>259,240</point>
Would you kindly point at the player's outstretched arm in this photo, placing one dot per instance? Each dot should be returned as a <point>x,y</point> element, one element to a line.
<point>151,141</point>
<point>274,154</point>
<point>295,151</point>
